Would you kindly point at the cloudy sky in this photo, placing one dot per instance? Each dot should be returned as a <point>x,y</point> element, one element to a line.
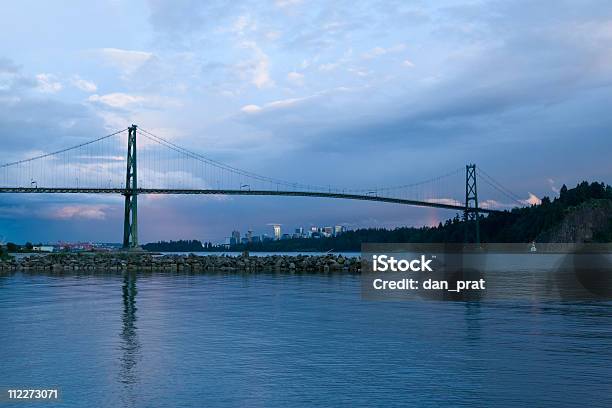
<point>344,93</point>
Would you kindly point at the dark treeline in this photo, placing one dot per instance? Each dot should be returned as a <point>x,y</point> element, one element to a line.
<point>12,247</point>
<point>182,246</point>
<point>518,225</point>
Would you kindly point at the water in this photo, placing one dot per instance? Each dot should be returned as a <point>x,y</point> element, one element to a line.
<point>281,340</point>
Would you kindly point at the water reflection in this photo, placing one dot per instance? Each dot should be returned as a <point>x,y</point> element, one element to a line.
<point>295,336</point>
<point>473,321</point>
<point>130,344</point>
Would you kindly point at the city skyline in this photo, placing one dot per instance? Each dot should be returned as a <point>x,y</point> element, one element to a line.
<point>345,94</point>
<point>277,233</point>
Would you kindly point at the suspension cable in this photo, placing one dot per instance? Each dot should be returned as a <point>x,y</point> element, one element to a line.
<point>499,187</point>
<point>42,156</point>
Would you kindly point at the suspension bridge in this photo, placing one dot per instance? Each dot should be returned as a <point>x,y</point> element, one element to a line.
<point>160,166</point>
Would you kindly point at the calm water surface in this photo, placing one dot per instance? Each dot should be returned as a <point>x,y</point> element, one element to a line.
<point>275,340</point>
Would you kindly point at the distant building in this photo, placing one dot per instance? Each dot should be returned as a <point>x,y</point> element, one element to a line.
<point>75,247</point>
<point>235,238</point>
<point>328,231</point>
<point>277,231</point>
<point>249,236</point>
<point>299,231</point>
<point>286,236</point>
<point>244,240</point>
<point>255,239</point>
<point>43,248</point>
<point>338,229</point>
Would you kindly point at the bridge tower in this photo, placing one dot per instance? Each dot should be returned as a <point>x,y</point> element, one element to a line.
<point>130,221</point>
<point>470,215</point>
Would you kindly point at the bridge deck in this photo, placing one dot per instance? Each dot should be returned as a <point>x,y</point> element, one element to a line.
<point>46,190</point>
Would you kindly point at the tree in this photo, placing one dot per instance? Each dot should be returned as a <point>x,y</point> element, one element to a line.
<point>11,247</point>
<point>563,192</point>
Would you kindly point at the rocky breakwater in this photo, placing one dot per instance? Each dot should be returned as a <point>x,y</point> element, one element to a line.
<point>188,263</point>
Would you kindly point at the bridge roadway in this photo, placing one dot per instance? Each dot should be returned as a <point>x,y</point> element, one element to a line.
<point>51,190</point>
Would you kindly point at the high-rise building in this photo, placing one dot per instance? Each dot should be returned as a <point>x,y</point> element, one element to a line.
<point>235,239</point>
<point>277,231</point>
<point>249,236</point>
<point>328,231</point>
<point>338,229</point>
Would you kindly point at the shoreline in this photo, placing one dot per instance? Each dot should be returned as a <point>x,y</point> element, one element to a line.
<point>124,261</point>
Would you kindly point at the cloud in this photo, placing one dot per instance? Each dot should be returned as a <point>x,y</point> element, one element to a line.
<point>532,200</point>
<point>250,108</point>
<point>84,85</point>
<point>287,3</point>
<point>257,68</point>
<point>8,66</point>
<point>48,83</point>
<point>279,104</point>
<point>408,63</point>
<point>123,100</point>
<point>295,78</point>
<point>243,25</point>
<point>273,35</point>
<point>13,211</point>
<point>552,185</point>
<point>80,211</point>
<point>44,123</point>
<point>380,51</point>
<point>330,66</point>
<point>73,212</point>
<point>127,61</point>
<point>494,204</point>
<point>116,100</point>
<point>447,201</point>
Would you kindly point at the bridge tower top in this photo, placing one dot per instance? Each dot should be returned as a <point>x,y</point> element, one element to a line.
<point>470,214</point>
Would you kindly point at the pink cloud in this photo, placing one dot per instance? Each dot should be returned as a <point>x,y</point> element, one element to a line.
<point>532,200</point>
<point>449,201</point>
<point>82,211</point>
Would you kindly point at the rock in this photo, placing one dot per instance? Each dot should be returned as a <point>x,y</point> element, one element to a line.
<point>185,263</point>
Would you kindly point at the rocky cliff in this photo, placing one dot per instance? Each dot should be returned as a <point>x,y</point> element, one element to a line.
<point>587,222</point>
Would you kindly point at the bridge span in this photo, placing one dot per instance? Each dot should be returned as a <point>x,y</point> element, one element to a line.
<point>100,166</point>
<point>346,196</point>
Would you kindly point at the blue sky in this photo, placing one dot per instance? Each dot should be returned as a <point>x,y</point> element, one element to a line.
<point>347,93</point>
